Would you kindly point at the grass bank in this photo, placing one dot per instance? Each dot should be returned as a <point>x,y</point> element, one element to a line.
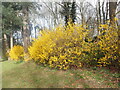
<point>29,75</point>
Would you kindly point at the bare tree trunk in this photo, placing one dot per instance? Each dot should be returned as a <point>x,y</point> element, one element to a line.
<point>11,40</point>
<point>112,10</point>
<point>98,16</point>
<point>99,11</point>
<point>103,12</point>
<point>55,17</point>
<point>26,33</point>
<point>97,22</point>
<point>106,17</point>
<point>4,46</point>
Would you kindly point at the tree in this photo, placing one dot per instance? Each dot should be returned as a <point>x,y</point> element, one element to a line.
<point>99,11</point>
<point>10,22</point>
<point>103,12</point>
<point>73,12</point>
<point>66,12</point>
<point>25,30</point>
<point>25,9</point>
<point>69,11</point>
<point>112,10</point>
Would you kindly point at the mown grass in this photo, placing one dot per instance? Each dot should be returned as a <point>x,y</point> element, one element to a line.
<point>30,75</point>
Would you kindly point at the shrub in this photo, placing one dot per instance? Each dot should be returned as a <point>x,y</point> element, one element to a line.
<point>16,53</point>
<point>65,47</point>
<point>60,48</point>
<point>108,44</point>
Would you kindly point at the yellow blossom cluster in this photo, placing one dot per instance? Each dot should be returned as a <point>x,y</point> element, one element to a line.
<point>61,47</point>
<point>17,52</point>
<point>65,47</point>
<point>108,45</point>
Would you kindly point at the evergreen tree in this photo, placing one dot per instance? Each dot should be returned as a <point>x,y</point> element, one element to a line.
<point>10,23</point>
<point>69,11</point>
<point>73,12</point>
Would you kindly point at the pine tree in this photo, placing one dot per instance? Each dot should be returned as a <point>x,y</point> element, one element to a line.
<point>73,12</point>
<point>10,22</point>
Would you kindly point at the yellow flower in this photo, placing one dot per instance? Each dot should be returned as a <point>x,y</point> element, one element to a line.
<point>16,53</point>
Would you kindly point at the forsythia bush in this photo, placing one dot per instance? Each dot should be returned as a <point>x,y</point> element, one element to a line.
<point>65,47</point>
<point>104,52</point>
<point>108,44</point>
<point>17,52</point>
<point>60,48</point>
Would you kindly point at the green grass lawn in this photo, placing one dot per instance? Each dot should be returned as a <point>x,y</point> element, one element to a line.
<point>29,75</point>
